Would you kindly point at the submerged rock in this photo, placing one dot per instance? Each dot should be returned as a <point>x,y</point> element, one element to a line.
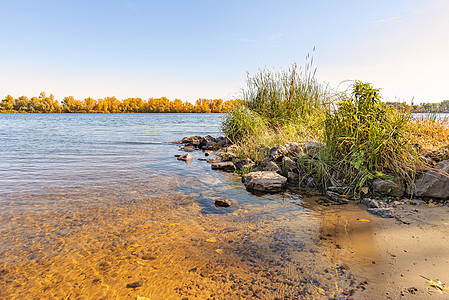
<point>433,183</point>
<point>264,181</point>
<point>223,203</point>
<point>227,166</point>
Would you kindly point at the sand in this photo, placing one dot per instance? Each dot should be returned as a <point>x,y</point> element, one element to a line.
<point>392,255</point>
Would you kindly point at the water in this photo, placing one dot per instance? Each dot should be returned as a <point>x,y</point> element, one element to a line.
<point>96,206</point>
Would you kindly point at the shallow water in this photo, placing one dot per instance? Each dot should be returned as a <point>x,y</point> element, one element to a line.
<point>96,206</point>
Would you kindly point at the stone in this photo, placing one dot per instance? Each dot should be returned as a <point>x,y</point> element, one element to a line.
<point>264,152</point>
<point>244,164</point>
<point>433,183</point>
<point>384,212</point>
<point>227,166</point>
<point>335,197</point>
<point>277,153</point>
<point>312,148</point>
<point>223,203</point>
<point>373,203</point>
<point>189,148</point>
<point>293,148</point>
<point>289,164</point>
<point>268,164</point>
<point>264,181</point>
<point>341,190</point>
<point>192,140</point>
<point>293,178</point>
<point>394,187</point>
<point>186,157</point>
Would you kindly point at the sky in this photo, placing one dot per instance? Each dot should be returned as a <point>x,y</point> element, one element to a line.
<point>191,49</point>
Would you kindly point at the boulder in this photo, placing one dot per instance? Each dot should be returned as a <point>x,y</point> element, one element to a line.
<point>186,157</point>
<point>264,152</point>
<point>394,187</point>
<point>264,181</point>
<point>277,153</point>
<point>433,183</point>
<point>227,166</point>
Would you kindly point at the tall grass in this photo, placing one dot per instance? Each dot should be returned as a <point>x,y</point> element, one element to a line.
<point>363,137</point>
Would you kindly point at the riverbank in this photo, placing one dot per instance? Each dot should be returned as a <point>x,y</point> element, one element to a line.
<point>393,255</point>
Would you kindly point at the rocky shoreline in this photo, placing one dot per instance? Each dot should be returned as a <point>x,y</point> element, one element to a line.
<point>280,169</point>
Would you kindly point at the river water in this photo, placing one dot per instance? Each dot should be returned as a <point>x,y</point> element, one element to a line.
<point>96,206</point>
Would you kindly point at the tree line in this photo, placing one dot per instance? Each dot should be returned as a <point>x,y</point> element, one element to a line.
<point>439,107</point>
<point>48,104</point>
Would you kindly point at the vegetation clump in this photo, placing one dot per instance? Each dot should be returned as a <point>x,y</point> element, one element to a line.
<point>363,137</point>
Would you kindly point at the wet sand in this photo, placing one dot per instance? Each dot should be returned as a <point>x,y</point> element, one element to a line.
<point>393,255</point>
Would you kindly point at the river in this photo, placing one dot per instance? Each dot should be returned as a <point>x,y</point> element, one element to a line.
<point>96,206</point>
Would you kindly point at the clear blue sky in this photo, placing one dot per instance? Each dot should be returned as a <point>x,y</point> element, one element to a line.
<point>191,49</point>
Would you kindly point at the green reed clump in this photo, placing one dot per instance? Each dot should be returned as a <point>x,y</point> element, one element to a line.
<point>278,104</point>
<point>365,138</point>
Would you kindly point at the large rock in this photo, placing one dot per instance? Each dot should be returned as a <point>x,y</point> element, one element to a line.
<point>394,187</point>
<point>227,166</point>
<point>433,183</point>
<point>264,181</point>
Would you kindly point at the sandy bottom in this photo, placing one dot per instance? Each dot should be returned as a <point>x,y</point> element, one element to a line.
<point>140,247</point>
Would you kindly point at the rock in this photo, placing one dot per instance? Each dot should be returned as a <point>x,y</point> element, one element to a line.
<point>244,164</point>
<point>394,187</point>
<point>289,164</point>
<point>192,140</point>
<point>264,181</point>
<point>293,148</point>
<point>264,152</point>
<point>433,183</point>
<point>189,148</point>
<point>268,164</point>
<point>293,178</point>
<point>227,166</point>
<point>310,182</point>
<point>186,157</point>
<point>214,160</point>
<point>384,212</point>
<point>223,203</point>
<point>277,153</point>
<point>335,197</point>
<point>414,201</point>
<point>373,203</point>
<point>134,285</point>
<point>341,190</point>
<point>211,146</point>
<point>312,148</point>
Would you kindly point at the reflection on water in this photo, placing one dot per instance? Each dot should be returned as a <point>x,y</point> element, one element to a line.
<point>97,207</point>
